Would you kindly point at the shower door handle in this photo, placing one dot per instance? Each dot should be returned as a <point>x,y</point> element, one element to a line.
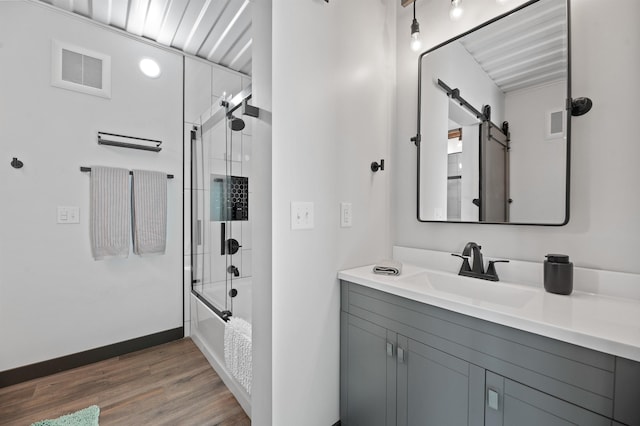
<point>223,239</point>
<point>199,230</point>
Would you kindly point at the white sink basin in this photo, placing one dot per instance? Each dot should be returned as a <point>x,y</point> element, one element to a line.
<point>473,290</point>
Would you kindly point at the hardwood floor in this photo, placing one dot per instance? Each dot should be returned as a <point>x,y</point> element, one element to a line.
<point>170,384</point>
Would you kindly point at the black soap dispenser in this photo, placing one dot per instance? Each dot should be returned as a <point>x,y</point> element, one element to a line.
<point>558,274</point>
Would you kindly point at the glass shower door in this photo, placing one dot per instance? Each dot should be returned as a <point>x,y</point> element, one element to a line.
<point>218,210</point>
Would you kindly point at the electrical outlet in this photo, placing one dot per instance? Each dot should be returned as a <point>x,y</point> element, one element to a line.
<point>301,215</point>
<point>346,215</point>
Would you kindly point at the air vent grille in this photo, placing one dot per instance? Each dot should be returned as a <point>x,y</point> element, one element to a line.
<point>81,70</point>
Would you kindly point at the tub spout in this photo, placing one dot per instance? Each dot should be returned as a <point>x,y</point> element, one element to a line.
<point>233,270</point>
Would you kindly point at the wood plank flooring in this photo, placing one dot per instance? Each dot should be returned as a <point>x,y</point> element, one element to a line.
<point>170,384</point>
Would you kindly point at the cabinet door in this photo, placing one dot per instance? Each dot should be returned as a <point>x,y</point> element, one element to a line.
<point>435,388</point>
<point>512,404</point>
<point>368,373</point>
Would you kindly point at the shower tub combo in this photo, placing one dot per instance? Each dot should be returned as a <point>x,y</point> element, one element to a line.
<point>221,252</point>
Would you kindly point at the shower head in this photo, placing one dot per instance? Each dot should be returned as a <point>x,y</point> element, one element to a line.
<point>236,123</point>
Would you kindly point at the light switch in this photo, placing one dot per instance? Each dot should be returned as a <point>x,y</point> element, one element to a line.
<point>68,214</point>
<point>346,215</point>
<point>492,399</point>
<point>301,215</point>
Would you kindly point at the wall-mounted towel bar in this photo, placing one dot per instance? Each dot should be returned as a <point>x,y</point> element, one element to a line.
<point>132,142</point>
<point>88,169</point>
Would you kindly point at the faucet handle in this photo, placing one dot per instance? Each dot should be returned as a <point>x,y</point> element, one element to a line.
<point>465,262</point>
<point>491,269</point>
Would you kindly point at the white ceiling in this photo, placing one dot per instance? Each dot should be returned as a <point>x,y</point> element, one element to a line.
<point>216,30</point>
<point>527,48</point>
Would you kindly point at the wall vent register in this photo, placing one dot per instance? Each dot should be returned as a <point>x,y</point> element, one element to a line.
<point>79,69</point>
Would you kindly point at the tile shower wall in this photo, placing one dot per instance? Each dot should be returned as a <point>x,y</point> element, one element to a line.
<point>205,84</point>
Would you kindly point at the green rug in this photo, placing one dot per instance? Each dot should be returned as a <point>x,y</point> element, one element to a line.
<point>85,417</point>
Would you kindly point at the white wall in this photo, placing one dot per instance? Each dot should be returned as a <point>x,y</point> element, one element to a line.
<point>54,298</point>
<point>333,108</point>
<point>604,231</point>
<point>538,193</point>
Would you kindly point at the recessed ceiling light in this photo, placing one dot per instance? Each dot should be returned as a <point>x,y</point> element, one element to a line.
<point>150,68</point>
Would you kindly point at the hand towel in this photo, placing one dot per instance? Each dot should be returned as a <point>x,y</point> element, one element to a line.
<point>388,267</point>
<point>109,212</point>
<point>149,212</point>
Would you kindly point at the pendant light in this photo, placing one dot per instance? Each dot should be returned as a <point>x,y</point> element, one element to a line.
<point>416,42</point>
<point>456,9</point>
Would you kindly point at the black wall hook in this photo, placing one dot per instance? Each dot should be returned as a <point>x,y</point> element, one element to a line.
<point>580,106</point>
<point>16,164</point>
<point>375,166</point>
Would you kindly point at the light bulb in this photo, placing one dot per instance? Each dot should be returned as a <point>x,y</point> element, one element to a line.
<point>456,10</point>
<point>416,40</point>
<point>149,67</point>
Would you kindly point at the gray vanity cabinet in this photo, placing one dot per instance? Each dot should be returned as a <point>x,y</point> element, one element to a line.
<point>407,363</point>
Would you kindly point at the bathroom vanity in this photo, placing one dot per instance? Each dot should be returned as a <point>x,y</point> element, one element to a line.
<point>432,348</point>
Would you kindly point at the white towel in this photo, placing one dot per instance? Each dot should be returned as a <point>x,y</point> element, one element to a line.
<point>388,267</point>
<point>110,212</point>
<point>237,351</point>
<point>149,212</point>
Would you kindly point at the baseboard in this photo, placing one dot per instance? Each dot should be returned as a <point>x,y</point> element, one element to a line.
<point>67,362</point>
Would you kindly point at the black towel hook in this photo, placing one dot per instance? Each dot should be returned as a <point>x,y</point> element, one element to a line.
<point>375,166</point>
<point>16,164</point>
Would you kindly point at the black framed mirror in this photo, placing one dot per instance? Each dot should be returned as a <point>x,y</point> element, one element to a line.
<point>493,133</point>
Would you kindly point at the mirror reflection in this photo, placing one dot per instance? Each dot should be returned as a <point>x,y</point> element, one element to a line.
<point>494,139</point>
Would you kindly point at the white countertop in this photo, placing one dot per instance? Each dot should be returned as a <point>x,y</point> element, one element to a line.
<point>599,322</point>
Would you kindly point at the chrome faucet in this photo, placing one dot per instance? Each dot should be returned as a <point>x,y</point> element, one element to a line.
<point>477,270</point>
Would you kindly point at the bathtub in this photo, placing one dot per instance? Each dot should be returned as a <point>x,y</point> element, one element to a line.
<point>207,332</point>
